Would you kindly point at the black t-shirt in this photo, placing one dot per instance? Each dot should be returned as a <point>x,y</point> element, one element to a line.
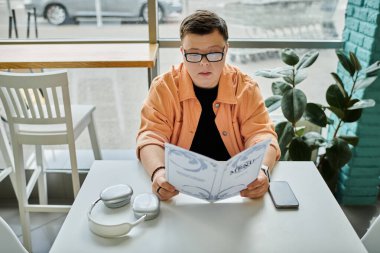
<point>207,140</point>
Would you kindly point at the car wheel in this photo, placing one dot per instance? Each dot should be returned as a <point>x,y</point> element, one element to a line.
<point>56,14</point>
<point>144,13</point>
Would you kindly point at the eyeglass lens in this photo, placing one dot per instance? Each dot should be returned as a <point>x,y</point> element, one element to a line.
<point>211,57</point>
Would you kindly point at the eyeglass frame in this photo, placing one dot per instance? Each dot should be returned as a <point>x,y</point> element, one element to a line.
<point>204,55</point>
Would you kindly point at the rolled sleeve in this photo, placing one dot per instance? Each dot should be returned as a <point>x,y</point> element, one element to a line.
<point>156,126</point>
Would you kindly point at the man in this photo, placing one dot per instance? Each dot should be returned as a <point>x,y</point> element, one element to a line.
<point>204,105</point>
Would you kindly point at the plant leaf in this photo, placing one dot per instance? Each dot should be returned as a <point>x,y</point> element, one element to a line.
<point>364,83</point>
<point>287,70</point>
<point>365,103</point>
<point>285,134</point>
<point>338,112</point>
<point>280,87</point>
<point>340,84</point>
<point>339,153</point>
<point>352,115</point>
<point>288,79</point>
<point>347,65</point>
<point>352,102</point>
<point>308,59</point>
<point>353,140</point>
<point>293,105</point>
<point>329,174</point>
<point>289,57</point>
<point>355,61</point>
<point>299,150</point>
<point>267,73</point>
<point>300,131</point>
<point>299,77</point>
<point>315,114</point>
<point>335,98</point>
<point>273,102</point>
<point>314,140</point>
<point>373,70</point>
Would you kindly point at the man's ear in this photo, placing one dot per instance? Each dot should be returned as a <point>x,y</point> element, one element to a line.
<point>227,46</point>
<point>181,49</point>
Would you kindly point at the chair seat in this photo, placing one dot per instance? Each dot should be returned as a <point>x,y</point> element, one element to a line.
<point>79,114</point>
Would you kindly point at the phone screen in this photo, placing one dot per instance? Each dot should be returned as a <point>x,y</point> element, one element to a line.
<point>282,195</point>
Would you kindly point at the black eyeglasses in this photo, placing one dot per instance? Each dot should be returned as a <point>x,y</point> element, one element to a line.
<point>211,57</point>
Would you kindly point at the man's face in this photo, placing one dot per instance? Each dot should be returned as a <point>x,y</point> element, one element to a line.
<point>204,74</point>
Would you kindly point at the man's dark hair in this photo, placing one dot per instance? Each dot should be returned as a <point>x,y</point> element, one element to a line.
<point>203,22</point>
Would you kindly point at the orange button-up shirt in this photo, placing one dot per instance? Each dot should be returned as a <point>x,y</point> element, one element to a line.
<point>171,112</point>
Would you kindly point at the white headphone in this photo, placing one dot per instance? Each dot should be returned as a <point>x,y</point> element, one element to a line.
<point>146,206</point>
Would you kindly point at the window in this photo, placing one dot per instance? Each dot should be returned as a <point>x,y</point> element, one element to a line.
<point>84,19</point>
<point>276,19</point>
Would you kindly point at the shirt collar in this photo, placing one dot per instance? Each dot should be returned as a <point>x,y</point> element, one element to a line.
<point>227,85</point>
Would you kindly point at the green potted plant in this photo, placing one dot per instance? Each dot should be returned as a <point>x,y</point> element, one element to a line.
<point>295,143</point>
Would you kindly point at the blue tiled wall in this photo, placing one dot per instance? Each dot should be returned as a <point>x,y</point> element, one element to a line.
<point>359,180</point>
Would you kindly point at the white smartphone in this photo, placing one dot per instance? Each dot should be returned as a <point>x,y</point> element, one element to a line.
<point>282,195</point>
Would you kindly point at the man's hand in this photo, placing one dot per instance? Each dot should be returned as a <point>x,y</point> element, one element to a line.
<point>161,186</point>
<point>257,188</point>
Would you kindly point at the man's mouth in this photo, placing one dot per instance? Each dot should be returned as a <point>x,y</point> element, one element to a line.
<point>205,74</point>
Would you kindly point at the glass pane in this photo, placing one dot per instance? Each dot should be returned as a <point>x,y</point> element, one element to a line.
<point>118,94</point>
<point>251,60</point>
<point>275,19</point>
<point>77,19</point>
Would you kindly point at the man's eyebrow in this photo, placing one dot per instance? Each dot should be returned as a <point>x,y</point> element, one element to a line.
<point>211,47</point>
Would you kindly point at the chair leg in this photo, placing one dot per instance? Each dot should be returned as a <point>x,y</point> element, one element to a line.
<point>74,167</point>
<point>94,140</point>
<point>7,155</point>
<point>42,188</point>
<point>22,195</point>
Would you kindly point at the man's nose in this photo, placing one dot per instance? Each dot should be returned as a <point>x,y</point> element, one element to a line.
<point>204,60</point>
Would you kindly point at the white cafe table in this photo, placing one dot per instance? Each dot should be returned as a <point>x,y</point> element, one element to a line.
<point>186,224</point>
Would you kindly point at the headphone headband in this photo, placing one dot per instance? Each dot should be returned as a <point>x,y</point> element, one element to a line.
<point>146,206</point>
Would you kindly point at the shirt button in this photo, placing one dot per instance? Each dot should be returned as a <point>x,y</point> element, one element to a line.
<point>217,105</point>
<point>225,133</point>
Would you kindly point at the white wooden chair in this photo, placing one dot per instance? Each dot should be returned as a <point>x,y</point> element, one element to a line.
<point>371,239</point>
<point>7,157</point>
<point>8,239</point>
<point>39,112</point>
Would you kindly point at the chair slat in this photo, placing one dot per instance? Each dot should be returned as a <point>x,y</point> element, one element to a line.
<point>37,98</point>
<point>22,103</point>
<point>30,103</point>
<point>12,99</point>
<point>56,104</point>
<point>47,102</point>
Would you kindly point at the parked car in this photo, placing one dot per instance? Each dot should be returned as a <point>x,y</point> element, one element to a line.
<point>58,12</point>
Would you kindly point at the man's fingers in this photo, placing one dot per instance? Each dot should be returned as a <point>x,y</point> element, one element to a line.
<point>161,181</point>
<point>253,194</point>
<point>164,194</point>
<point>260,180</point>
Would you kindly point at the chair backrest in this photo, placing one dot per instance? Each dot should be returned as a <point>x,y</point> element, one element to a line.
<point>36,98</point>
<point>8,239</point>
<point>371,239</point>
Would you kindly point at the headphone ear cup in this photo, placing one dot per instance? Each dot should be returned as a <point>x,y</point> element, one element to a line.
<point>146,204</point>
<point>117,195</point>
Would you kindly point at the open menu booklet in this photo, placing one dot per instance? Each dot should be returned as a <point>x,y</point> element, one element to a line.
<point>211,180</point>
